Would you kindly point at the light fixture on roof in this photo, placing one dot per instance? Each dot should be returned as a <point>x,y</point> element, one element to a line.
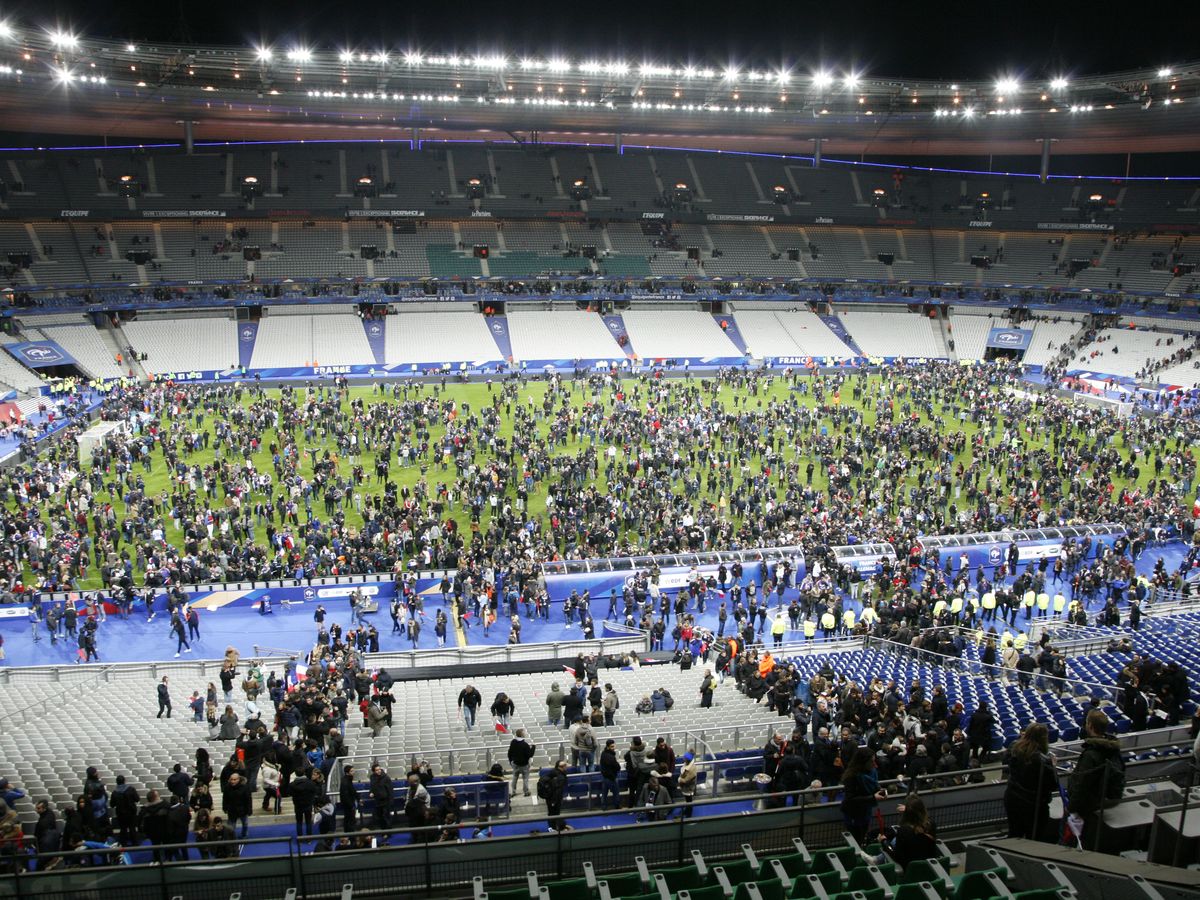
<point>730,73</point>
<point>851,80</point>
<point>783,76</point>
<point>131,48</point>
<point>822,79</point>
<point>617,68</point>
<point>1007,85</point>
<point>6,30</point>
<point>968,112</point>
<point>558,64</point>
<point>1058,84</point>
<point>299,54</point>
<point>263,54</point>
<point>63,40</point>
<point>346,56</point>
<point>1164,72</point>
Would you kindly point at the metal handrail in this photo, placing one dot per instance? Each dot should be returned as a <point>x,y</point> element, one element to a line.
<point>46,702</point>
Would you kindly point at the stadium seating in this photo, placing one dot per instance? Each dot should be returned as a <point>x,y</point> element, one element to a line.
<point>14,375</point>
<point>561,335</point>
<point>452,336</point>
<point>676,334</point>
<point>173,344</point>
<point>893,334</point>
<point>970,332</point>
<point>334,339</point>
<point>791,333</point>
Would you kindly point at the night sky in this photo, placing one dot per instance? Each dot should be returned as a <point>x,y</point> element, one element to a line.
<point>938,40</point>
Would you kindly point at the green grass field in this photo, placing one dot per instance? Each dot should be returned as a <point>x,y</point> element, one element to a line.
<point>941,412</point>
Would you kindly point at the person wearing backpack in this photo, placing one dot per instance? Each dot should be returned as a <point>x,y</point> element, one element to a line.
<point>583,746</point>
<point>1098,781</point>
<point>551,786</point>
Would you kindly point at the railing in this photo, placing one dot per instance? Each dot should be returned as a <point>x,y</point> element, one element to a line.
<point>506,653</point>
<point>998,673</point>
<point>1076,640</point>
<point>114,671</point>
<point>446,759</point>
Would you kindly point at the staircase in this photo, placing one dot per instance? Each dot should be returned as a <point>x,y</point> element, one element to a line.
<point>942,334</point>
<point>834,324</point>
<point>119,344</point>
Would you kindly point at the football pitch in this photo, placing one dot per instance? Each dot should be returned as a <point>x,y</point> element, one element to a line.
<point>836,410</point>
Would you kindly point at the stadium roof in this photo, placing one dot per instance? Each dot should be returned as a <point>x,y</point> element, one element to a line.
<point>56,82</point>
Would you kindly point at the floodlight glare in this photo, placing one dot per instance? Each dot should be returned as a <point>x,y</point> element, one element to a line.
<point>6,30</point>
<point>264,54</point>
<point>299,54</point>
<point>1058,84</point>
<point>63,40</point>
<point>822,79</point>
<point>1164,72</point>
<point>851,80</point>
<point>1007,85</point>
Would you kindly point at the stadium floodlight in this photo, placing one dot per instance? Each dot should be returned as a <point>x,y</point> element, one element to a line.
<point>557,64</point>
<point>783,77</point>
<point>731,73</point>
<point>1007,85</point>
<point>851,80</point>
<point>1164,72</point>
<point>968,112</point>
<point>527,63</point>
<point>129,48</point>
<point>494,61</point>
<point>381,57</point>
<point>64,75</point>
<point>822,79</point>
<point>264,54</point>
<point>299,54</point>
<point>591,67</point>
<point>346,56</point>
<point>1058,84</point>
<point>63,40</point>
<point>412,58</point>
<point>6,30</point>
<point>617,68</point>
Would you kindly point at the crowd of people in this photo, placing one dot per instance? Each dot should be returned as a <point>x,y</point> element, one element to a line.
<point>299,483</point>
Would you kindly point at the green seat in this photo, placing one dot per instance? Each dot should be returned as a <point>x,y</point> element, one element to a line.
<point>861,880</point>
<point>712,892</point>
<point>771,889</point>
<point>916,890</point>
<point>873,894</point>
<point>568,889</point>
<point>624,885</point>
<point>738,871</point>
<point>979,886</point>
<point>794,864</point>
<point>651,896</point>
<point>830,882</point>
<point>521,893</point>
<point>1043,894</point>
<point>681,878</point>
<point>920,870</point>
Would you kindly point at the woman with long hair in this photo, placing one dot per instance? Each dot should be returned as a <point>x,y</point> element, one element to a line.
<point>916,836</point>
<point>861,793</point>
<point>1032,782</point>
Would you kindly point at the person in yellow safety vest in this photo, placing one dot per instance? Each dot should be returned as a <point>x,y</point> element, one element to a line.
<point>1043,602</point>
<point>778,628</point>
<point>828,623</point>
<point>810,629</point>
<point>869,616</point>
<point>989,606</point>
<point>956,606</point>
<point>848,622</point>
<point>1027,601</point>
<point>939,608</point>
<point>1060,603</point>
<point>1021,640</point>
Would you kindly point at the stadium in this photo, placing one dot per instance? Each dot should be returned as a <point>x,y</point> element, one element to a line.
<point>453,470</point>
